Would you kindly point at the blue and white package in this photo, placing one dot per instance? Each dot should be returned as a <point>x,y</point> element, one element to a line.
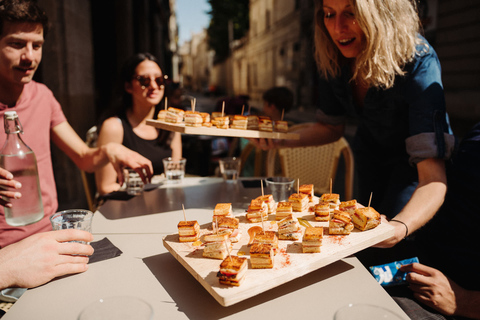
<point>388,274</point>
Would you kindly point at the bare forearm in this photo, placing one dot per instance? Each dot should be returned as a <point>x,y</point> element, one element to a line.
<point>425,202</point>
<point>315,134</point>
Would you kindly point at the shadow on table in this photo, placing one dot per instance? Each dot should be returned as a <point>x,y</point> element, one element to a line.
<point>193,300</point>
<point>204,195</point>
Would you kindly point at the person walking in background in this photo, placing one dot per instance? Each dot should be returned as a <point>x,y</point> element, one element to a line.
<point>277,101</point>
<point>23,27</point>
<point>142,86</point>
<point>376,66</point>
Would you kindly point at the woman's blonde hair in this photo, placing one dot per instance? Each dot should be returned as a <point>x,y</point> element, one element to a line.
<point>391,29</point>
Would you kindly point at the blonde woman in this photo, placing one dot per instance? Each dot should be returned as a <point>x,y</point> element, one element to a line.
<point>376,66</point>
<point>143,88</point>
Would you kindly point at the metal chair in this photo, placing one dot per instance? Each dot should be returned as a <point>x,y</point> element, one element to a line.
<point>315,165</point>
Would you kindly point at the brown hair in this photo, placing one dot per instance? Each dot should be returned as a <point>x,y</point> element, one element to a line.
<point>22,11</point>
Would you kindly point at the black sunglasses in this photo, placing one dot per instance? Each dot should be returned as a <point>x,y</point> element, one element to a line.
<point>145,81</point>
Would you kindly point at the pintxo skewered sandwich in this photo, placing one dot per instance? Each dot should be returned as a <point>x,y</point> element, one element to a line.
<point>267,237</point>
<point>299,202</point>
<point>239,122</point>
<point>232,270</point>
<point>252,122</point>
<point>257,211</point>
<point>289,229</point>
<point>268,199</point>
<point>312,240</point>
<point>193,119</point>
<point>217,249</point>
<point>221,122</point>
<point>340,223</point>
<point>265,124</point>
<point>308,190</point>
<point>281,126</point>
<point>348,206</point>
<point>321,211</point>
<point>230,223</point>
<point>222,210</point>
<point>333,199</point>
<point>366,218</point>
<point>174,115</point>
<point>261,256</point>
<point>188,231</point>
<point>284,209</point>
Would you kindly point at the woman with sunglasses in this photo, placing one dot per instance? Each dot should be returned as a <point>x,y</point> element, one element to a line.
<point>143,88</point>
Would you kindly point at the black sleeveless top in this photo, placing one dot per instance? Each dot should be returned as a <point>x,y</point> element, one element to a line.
<point>154,150</point>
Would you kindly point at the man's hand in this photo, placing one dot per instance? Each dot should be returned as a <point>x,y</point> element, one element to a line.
<point>121,157</point>
<point>43,257</point>
<point>433,288</point>
<point>6,184</point>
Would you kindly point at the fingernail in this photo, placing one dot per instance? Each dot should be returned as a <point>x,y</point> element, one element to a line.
<point>18,185</point>
<point>18,195</point>
<point>9,176</point>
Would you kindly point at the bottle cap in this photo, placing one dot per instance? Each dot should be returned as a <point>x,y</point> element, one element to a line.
<point>11,115</point>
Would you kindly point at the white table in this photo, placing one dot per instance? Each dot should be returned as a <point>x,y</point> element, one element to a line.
<point>147,270</point>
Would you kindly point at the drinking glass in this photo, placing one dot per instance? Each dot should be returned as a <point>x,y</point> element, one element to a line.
<point>280,187</point>
<point>117,308</point>
<point>72,219</point>
<point>134,182</point>
<point>230,168</point>
<point>174,169</point>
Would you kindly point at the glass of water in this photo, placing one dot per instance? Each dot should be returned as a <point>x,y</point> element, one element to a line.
<point>174,169</point>
<point>134,183</point>
<point>230,168</point>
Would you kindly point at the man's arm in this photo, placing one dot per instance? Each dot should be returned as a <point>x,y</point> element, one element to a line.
<point>434,289</point>
<point>315,133</point>
<point>43,256</point>
<point>90,159</point>
<point>424,203</point>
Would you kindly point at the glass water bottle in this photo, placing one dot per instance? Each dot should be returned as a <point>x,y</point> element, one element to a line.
<point>20,160</point>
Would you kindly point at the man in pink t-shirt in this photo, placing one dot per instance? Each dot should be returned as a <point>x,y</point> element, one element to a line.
<point>42,256</point>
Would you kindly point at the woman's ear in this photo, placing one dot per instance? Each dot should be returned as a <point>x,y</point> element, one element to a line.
<point>128,87</point>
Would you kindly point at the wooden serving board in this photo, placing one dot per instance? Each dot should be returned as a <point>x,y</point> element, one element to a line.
<point>213,131</point>
<point>289,263</point>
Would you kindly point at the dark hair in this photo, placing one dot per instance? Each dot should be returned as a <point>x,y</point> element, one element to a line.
<point>22,11</point>
<point>280,97</point>
<point>124,102</point>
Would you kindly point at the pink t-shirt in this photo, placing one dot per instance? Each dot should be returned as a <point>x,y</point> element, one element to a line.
<point>39,112</point>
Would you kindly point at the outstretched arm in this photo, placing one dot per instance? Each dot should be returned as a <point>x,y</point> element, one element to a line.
<point>90,159</point>
<point>311,134</point>
<point>424,203</point>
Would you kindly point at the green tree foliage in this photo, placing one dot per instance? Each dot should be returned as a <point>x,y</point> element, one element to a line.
<point>223,11</point>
